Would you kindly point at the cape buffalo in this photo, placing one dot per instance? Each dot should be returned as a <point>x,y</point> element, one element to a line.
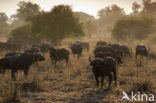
<point>104,67</point>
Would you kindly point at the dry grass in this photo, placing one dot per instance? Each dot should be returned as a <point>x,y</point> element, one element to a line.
<point>75,83</point>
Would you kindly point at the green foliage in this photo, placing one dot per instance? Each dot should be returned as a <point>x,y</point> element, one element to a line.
<point>133,28</point>
<point>57,24</point>
<point>23,34</point>
<point>52,26</point>
<point>27,10</point>
<point>3,23</point>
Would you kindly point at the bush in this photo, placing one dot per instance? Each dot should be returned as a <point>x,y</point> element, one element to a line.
<point>133,28</point>
<point>23,35</point>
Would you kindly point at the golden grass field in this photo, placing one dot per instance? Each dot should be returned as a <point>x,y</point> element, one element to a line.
<point>76,83</point>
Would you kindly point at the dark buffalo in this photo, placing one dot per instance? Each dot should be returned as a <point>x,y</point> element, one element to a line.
<point>119,53</point>
<point>58,55</point>
<point>76,49</point>
<point>124,50</point>
<point>23,62</point>
<point>101,43</point>
<point>32,50</point>
<point>45,47</point>
<point>11,54</point>
<point>107,54</point>
<point>36,46</point>
<point>141,50</point>
<point>85,45</point>
<point>5,46</point>
<point>103,49</point>
<point>104,67</point>
<point>4,64</point>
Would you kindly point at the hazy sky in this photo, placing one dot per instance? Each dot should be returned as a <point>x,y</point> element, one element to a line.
<point>88,6</point>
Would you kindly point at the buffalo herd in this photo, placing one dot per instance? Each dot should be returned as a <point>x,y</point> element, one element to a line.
<point>106,57</point>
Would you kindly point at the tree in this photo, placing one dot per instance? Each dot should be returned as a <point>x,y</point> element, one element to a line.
<point>117,10</point>
<point>57,24</point>
<point>111,10</point>
<point>133,28</point>
<point>84,17</point>
<point>51,26</point>
<point>108,16</point>
<point>23,35</point>
<point>3,23</point>
<point>135,8</point>
<point>3,17</point>
<point>104,12</point>
<point>27,10</point>
<point>14,20</point>
<point>88,21</point>
<point>90,27</point>
<point>149,8</point>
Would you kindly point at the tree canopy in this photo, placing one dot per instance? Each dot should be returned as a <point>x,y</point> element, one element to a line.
<point>53,26</point>
<point>133,28</point>
<point>149,8</point>
<point>3,23</point>
<point>135,8</point>
<point>108,16</point>
<point>27,10</point>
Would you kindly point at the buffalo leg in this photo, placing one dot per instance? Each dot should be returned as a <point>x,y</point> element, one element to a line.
<point>115,78</point>
<point>103,77</point>
<point>110,79</point>
<point>13,74</point>
<point>97,80</point>
<point>26,73</point>
<point>67,60</point>
<point>55,63</point>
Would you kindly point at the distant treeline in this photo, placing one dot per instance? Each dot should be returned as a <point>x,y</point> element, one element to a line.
<point>32,24</point>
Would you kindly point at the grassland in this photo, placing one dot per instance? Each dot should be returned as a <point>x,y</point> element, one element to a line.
<point>75,83</point>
